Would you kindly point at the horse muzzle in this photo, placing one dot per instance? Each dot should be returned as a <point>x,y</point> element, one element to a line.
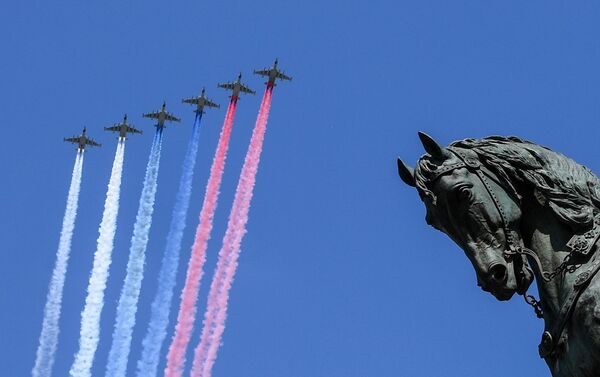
<point>500,281</point>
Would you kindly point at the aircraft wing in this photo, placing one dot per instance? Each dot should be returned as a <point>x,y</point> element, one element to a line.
<point>227,85</point>
<point>153,115</point>
<point>283,76</point>
<point>210,103</point>
<point>133,130</point>
<point>263,72</point>
<point>91,142</point>
<point>71,139</point>
<point>114,128</point>
<point>245,89</point>
<point>171,117</point>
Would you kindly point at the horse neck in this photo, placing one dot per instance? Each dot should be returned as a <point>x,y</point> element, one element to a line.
<point>543,233</point>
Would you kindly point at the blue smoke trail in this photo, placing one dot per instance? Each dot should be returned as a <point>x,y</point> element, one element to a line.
<point>94,302</point>
<point>49,337</point>
<point>161,306</point>
<point>127,307</point>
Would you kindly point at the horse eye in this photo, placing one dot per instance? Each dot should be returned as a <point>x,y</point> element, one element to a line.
<point>465,193</point>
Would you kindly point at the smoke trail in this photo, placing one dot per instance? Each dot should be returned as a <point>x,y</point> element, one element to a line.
<point>50,329</point>
<point>216,311</point>
<point>189,294</point>
<point>161,306</point>
<point>90,317</point>
<point>127,307</point>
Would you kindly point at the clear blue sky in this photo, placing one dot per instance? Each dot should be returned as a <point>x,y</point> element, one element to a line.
<point>332,277</point>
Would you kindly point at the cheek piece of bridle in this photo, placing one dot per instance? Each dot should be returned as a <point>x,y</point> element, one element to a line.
<point>580,244</point>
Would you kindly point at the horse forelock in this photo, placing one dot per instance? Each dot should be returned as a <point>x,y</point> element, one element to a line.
<point>571,189</point>
<point>425,173</point>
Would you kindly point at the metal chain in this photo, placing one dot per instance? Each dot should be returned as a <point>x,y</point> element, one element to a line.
<point>564,266</point>
<point>547,276</point>
<point>535,304</point>
<point>513,247</point>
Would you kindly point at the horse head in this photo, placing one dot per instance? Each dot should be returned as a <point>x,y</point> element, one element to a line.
<point>507,202</point>
<point>476,209</point>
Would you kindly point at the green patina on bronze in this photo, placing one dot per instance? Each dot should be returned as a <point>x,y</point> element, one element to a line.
<point>519,210</point>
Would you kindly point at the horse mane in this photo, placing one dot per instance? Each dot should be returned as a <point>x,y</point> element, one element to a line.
<point>571,190</point>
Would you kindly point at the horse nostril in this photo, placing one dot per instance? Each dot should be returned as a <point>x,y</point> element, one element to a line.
<point>498,273</point>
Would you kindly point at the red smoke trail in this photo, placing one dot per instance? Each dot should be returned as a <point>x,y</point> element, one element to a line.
<point>216,311</point>
<point>189,294</point>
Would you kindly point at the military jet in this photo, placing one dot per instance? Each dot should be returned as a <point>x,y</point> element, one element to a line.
<point>236,87</point>
<point>162,115</point>
<point>272,73</point>
<point>82,141</point>
<point>201,101</point>
<point>123,129</point>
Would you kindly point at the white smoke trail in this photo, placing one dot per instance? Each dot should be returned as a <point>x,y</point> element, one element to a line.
<point>50,329</point>
<point>90,317</point>
<point>127,307</point>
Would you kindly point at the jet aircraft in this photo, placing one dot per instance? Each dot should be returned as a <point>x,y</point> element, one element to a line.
<point>162,115</point>
<point>201,101</point>
<point>236,87</point>
<point>82,141</point>
<point>272,73</point>
<point>123,128</point>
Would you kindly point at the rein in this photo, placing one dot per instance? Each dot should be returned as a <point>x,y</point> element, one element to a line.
<point>580,244</point>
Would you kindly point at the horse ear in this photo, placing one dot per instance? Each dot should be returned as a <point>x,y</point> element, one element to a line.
<point>406,173</point>
<point>432,147</point>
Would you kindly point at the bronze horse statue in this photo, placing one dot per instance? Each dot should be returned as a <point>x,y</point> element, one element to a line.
<point>519,210</point>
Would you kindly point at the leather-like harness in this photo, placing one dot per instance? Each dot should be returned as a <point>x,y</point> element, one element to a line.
<point>551,337</point>
<point>581,243</point>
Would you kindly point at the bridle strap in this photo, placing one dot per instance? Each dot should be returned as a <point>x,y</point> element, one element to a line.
<point>551,337</point>
<point>579,243</point>
<point>475,166</point>
<point>512,247</point>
